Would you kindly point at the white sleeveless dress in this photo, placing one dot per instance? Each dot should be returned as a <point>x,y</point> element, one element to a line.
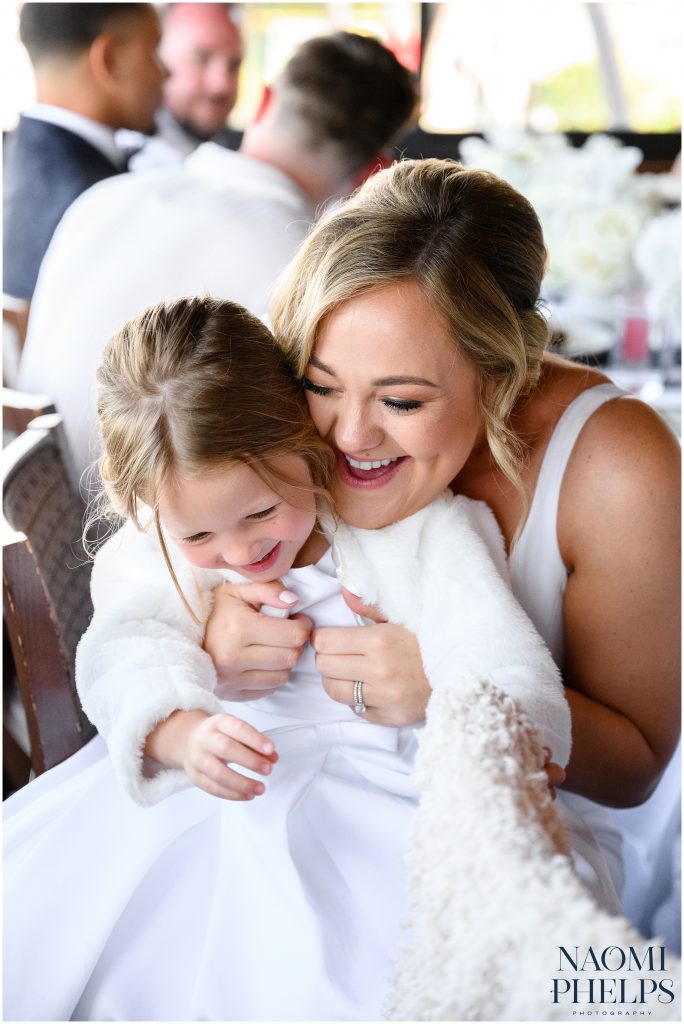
<point>288,907</point>
<point>640,845</point>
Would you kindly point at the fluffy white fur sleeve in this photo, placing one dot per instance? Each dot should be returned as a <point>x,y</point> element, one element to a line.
<point>141,658</point>
<point>436,573</point>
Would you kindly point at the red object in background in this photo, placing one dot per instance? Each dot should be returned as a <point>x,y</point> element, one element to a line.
<point>635,339</point>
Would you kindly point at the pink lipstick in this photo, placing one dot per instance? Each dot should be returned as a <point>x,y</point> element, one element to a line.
<point>368,479</point>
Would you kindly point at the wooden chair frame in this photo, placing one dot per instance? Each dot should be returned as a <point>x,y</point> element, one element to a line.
<point>56,724</point>
<point>19,408</point>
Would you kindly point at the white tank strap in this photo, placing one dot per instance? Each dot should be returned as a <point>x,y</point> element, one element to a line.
<point>564,437</point>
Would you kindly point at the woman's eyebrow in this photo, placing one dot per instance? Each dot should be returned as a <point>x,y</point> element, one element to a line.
<point>321,366</point>
<point>381,382</point>
<point>387,382</point>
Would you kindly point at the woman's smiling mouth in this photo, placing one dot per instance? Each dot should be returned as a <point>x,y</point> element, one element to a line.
<point>368,473</point>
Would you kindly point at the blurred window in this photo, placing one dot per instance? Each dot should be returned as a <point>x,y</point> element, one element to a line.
<point>561,66</point>
<point>556,65</point>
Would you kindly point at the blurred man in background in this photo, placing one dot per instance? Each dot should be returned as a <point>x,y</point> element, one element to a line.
<point>225,223</point>
<point>201,49</point>
<point>96,71</point>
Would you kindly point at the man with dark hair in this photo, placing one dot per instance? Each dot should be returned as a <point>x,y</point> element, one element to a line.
<point>96,70</point>
<point>226,223</point>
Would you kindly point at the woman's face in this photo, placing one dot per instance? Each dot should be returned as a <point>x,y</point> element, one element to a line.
<point>388,389</point>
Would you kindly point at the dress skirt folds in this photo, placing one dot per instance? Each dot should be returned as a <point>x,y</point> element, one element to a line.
<point>286,907</point>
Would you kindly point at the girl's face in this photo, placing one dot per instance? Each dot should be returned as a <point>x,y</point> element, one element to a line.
<point>397,401</point>
<point>230,518</point>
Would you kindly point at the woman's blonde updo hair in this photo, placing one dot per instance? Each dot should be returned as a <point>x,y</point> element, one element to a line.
<point>475,247</point>
<point>189,386</point>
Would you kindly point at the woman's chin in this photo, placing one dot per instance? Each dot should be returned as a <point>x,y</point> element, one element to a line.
<point>366,514</point>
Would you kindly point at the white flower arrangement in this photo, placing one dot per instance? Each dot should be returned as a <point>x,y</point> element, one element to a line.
<point>604,224</point>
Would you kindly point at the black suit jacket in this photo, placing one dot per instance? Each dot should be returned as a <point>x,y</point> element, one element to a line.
<point>45,168</point>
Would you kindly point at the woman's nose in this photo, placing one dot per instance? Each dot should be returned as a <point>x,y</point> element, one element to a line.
<point>355,431</point>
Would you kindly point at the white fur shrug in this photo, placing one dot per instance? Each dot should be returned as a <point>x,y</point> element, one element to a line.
<point>141,657</point>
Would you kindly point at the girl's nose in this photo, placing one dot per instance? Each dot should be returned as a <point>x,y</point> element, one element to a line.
<point>240,552</point>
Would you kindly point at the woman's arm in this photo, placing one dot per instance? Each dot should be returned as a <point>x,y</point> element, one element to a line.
<point>618,530</point>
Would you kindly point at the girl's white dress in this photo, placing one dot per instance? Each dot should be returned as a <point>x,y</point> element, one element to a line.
<point>287,907</point>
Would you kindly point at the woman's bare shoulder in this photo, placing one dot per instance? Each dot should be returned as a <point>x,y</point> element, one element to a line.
<point>623,475</point>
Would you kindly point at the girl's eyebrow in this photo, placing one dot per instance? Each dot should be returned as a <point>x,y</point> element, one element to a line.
<point>381,382</point>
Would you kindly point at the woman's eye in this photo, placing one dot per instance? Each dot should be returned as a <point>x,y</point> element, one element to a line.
<point>196,538</point>
<point>315,389</point>
<point>399,405</point>
<point>264,513</point>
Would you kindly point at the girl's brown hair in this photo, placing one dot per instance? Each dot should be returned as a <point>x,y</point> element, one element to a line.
<point>190,385</point>
<point>475,247</point>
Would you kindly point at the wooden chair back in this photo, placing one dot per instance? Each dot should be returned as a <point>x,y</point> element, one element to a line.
<point>19,408</point>
<point>46,587</point>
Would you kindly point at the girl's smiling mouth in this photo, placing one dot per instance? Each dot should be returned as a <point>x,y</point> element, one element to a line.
<point>262,564</point>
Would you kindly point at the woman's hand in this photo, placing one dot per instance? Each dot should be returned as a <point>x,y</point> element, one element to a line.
<point>253,653</point>
<point>386,658</point>
<point>554,773</point>
<point>203,745</point>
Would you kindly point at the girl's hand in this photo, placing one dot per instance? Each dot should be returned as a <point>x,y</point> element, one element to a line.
<point>385,657</point>
<point>202,745</point>
<point>253,653</point>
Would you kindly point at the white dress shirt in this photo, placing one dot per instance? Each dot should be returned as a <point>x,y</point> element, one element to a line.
<point>222,223</point>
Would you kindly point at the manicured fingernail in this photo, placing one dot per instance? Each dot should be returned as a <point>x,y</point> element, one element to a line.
<point>288,597</point>
<point>267,747</point>
<point>266,768</point>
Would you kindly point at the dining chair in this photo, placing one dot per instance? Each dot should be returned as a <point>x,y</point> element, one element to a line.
<point>46,587</point>
<point>19,408</point>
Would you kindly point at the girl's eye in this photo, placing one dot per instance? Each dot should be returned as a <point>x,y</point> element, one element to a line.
<point>397,405</point>
<point>315,389</point>
<point>264,513</point>
<point>196,538</point>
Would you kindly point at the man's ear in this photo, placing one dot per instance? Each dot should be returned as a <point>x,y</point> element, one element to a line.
<point>378,163</point>
<point>264,103</point>
<point>102,58</point>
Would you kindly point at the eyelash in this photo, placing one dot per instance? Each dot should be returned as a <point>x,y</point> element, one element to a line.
<point>395,404</point>
<point>264,513</point>
<point>199,537</point>
<point>315,389</point>
<point>196,538</point>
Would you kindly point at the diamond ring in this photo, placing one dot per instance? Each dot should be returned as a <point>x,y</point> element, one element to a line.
<point>358,706</point>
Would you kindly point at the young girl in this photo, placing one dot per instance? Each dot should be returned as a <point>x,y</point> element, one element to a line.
<point>287,906</point>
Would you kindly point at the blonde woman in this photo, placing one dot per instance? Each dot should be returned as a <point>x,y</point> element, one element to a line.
<point>411,314</point>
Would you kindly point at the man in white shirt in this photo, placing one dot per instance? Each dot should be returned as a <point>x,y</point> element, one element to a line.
<point>224,223</point>
<point>201,49</point>
<point>96,71</point>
